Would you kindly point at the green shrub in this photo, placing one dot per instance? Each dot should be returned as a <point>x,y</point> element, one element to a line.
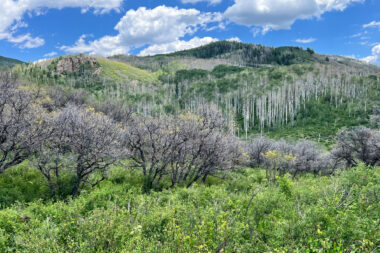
<point>241,213</point>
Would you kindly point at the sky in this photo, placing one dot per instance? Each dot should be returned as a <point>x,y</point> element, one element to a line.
<point>31,30</point>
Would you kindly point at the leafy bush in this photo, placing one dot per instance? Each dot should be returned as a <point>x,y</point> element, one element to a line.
<point>312,214</point>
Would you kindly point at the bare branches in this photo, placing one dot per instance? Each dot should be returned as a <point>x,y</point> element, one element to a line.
<point>256,148</point>
<point>186,148</point>
<point>358,144</point>
<point>279,157</point>
<point>21,121</point>
<point>79,140</point>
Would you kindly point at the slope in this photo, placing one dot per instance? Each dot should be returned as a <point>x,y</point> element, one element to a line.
<point>284,91</point>
<point>8,62</point>
<point>119,71</point>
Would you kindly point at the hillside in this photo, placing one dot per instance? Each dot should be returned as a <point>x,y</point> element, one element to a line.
<point>244,80</point>
<point>8,62</point>
<point>259,89</point>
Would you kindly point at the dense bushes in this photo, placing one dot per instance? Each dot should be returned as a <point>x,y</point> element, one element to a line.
<point>282,157</point>
<point>313,214</point>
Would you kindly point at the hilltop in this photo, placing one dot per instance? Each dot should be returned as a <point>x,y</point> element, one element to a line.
<point>239,54</point>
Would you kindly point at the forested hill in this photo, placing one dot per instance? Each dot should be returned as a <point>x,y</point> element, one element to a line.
<point>8,62</point>
<point>285,91</point>
<point>240,54</point>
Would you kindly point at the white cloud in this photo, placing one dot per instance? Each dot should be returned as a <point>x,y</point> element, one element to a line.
<point>177,45</point>
<point>23,41</point>
<point>375,57</point>
<point>372,24</point>
<point>305,41</point>
<point>161,24</point>
<point>280,14</point>
<point>105,46</point>
<point>359,35</point>
<point>12,13</point>
<point>212,2</point>
<point>161,27</point>
<point>51,54</point>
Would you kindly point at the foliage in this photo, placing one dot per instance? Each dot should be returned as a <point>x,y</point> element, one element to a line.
<point>320,120</point>
<point>152,163</point>
<point>223,70</point>
<point>312,214</point>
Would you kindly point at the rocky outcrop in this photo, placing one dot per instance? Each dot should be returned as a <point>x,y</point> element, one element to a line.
<point>73,64</point>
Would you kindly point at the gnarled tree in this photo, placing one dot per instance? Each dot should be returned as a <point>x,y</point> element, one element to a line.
<point>82,141</point>
<point>21,124</point>
<point>186,148</point>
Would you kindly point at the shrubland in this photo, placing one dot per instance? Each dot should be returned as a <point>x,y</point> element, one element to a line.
<point>241,213</point>
<point>79,176</point>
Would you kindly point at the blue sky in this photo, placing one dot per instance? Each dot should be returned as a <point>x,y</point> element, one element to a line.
<point>36,29</point>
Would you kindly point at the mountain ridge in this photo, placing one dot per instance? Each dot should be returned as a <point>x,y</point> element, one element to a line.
<point>219,53</point>
<point>242,54</point>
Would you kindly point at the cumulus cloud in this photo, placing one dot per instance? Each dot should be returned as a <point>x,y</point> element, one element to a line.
<point>23,41</point>
<point>280,14</point>
<point>375,57</point>
<point>372,24</point>
<point>305,41</point>
<point>13,12</point>
<point>106,46</point>
<point>161,24</point>
<point>160,28</point>
<point>177,45</point>
<point>212,2</point>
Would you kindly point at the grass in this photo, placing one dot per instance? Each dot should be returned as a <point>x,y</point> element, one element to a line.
<point>119,72</point>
